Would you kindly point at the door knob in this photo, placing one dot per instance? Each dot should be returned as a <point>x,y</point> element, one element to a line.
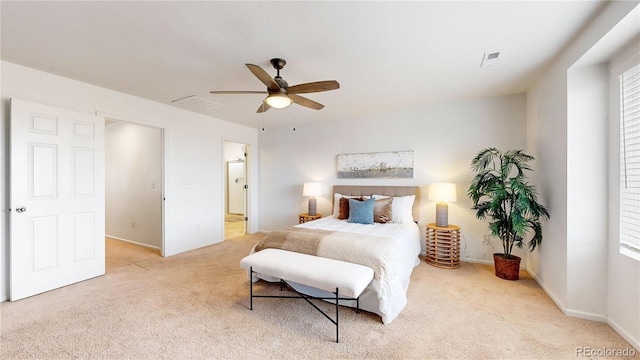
<point>21,209</point>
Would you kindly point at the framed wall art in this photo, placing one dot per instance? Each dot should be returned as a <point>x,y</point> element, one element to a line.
<point>391,164</point>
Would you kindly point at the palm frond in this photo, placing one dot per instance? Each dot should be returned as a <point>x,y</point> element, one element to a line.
<point>484,158</point>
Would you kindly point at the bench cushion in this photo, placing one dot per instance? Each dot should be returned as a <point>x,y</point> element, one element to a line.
<point>322,273</point>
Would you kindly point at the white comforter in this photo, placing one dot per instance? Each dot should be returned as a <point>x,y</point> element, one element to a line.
<point>386,295</point>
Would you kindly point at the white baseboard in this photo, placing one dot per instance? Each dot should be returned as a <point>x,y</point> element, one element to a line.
<point>486,262</point>
<point>588,316</point>
<point>634,342</point>
<point>564,309</point>
<point>557,301</point>
<point>477,261</point>
<point>132,242</point>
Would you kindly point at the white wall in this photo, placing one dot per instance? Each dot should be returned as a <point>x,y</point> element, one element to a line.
<point>193,183</point>
<point>133,185</point>
<point>568,262</point>
<point>587,195</point>
<point>444,137</point>
<point>546,140</point>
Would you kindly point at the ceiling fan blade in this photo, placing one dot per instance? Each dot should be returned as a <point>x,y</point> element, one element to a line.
<point>313,87</point>
<point>305,102</point>
<point>238,92</point>
<point>263,107</point>
<point>264,77</point>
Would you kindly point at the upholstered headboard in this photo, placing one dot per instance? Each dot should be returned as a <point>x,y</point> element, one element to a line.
<point>383,190</point>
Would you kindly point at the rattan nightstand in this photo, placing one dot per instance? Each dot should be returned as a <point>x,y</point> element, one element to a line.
<point>443,246</point>
<point>303,218</point>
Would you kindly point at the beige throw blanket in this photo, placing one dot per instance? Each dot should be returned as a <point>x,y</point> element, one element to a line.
<point>294,239</point>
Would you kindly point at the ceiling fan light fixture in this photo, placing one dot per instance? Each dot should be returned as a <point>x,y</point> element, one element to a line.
<point>278,101</point>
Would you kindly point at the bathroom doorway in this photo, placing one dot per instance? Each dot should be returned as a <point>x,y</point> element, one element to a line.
<point>235,189</point>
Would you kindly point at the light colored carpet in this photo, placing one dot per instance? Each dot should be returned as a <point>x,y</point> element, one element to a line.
<point>195,306</point>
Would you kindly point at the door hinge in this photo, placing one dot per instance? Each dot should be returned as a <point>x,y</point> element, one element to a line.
<point>245,186</point>
<point>246,218</point>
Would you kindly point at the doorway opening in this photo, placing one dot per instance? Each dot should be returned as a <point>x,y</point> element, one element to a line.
<point>235,189</point>
<point>133,188</point>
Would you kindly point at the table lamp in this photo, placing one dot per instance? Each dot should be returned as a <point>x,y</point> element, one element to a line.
<point>443,193</point>
<point>311,189</point>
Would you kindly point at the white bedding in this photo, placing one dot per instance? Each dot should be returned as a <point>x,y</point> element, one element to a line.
<point>386,295</point>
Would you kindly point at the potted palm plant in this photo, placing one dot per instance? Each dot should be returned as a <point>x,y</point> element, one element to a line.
<point>500,191</point>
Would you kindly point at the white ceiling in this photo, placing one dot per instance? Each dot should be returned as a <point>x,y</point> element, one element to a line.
<point>386,55</point>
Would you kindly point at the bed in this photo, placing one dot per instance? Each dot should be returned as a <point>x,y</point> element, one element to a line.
<point>390,248</point>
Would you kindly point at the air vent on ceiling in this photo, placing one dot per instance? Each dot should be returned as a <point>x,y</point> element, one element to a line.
<point>197,104</point>
<point>491,58</point>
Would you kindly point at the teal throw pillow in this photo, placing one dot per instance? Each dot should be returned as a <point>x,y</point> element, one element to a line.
<point>361,212</point>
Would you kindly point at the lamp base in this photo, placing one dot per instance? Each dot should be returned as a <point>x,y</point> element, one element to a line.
<point>442,214</point>
<point>312,206</point>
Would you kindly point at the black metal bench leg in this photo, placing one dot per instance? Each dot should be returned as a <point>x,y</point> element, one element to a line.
<point>337,320</point>
<point>307,298</point>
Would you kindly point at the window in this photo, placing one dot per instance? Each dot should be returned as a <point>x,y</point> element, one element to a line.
<point>630,162</point>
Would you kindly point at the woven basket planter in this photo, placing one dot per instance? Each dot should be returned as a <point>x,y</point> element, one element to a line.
<point>508,269</point>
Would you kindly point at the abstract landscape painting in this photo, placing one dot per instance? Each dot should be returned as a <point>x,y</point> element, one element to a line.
<point>391,164</point>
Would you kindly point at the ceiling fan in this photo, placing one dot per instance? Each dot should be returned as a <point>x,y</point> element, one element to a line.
<point>280,94</point>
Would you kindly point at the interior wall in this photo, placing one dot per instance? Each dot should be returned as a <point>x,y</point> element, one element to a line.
<point>444,137</point>
<point>193,154</point>
<point>558,261</point>
<point>133,205</point>
<point>547,141</point>
<point>587,196</point>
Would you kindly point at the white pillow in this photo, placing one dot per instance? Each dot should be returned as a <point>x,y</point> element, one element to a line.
<point>402,209</point>
<point>336,204</point>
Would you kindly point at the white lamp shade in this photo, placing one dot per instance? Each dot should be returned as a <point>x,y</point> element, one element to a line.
<point>278,101</point>
<point>311,189</point>
<point>442,192</point>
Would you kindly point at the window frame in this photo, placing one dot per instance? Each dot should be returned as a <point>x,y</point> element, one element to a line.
<point>625,61</point>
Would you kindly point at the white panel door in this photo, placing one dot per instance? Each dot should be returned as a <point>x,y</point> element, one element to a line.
<point>57,198</point>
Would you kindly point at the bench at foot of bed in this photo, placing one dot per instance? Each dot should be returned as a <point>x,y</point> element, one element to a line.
<point>345,280</point>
